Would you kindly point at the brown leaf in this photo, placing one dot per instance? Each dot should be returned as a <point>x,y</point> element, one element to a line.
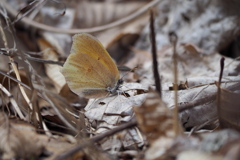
<point>154,118</point>
<point>18,140</point>
<point>229,109</point>
<point>52,70</point>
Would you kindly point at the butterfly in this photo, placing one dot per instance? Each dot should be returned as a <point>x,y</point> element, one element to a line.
<point>89,70</point>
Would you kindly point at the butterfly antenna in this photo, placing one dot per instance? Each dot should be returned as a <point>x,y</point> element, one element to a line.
<point>131,70</point>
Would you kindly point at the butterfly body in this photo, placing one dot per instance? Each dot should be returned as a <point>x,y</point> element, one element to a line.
<point>89,70</point>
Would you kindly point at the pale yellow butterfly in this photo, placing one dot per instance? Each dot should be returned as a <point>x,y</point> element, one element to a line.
<point>89,70</point>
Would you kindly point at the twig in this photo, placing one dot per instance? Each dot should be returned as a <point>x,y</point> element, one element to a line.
<point>88,30</point>
<point>173,39</point>
<point>196,128</point>
<point>219,89</point>
<point>14,79</point>
<point>221,71</point>
<point>13,102</point>
<point>33,58</point>
<point>26,64</point>
<point>59,113</point>
<point>29,8</point>
<point>43,96</point>
<point>211,97</point>
<point>44,61</point>
<point>97,138</point>
<point>154,55</point>
<point>14,66</point>
<point>21,83</point>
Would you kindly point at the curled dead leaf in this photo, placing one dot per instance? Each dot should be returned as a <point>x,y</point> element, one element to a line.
<point>154,118</point>
<point>18,140</point>
<point>229,109</point>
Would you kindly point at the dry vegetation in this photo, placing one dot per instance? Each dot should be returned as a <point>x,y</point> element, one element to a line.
<point>181,80</point>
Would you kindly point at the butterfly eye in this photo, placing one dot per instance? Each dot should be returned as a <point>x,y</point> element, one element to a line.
<point>120,81</point>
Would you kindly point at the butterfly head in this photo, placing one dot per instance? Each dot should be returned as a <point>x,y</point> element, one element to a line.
<point>116,89</point>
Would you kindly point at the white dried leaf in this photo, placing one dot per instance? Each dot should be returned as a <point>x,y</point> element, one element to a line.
<point>113,110</point>
<point>204,111</point>
<point>197,155</point>
<point>102,109</point>
<point>189,65</point>
<point>61,42</point>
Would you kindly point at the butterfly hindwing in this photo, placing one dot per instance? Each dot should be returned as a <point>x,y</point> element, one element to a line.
<point>89,69</point>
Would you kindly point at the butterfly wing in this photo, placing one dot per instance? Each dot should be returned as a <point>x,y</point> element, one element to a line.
<point>89,69</point>
<point>85,43</point>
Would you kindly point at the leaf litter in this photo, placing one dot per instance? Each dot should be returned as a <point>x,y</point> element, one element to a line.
<point>61,125</point>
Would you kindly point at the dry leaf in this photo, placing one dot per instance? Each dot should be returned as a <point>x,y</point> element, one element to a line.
<point>231,150</point>
<point>189,65</point>
<point>156,122</point>
<point>114,109</point>
<point>60,42</point>
<point>198,23</point>
<point>52,70</point>
<point>197,155</point>
<point>213,142</point>
<point>155,119</point>
<point>201,100</point>
<point>131,138</point>
<point>18,139</point>
<point>100,13</point>
<point>229,109</point>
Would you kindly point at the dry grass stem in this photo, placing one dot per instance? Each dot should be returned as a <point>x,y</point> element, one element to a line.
<point>13,102</point>
<point>14,66</point>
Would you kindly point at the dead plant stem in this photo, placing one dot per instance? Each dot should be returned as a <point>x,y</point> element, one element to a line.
<point>219,90</point>
<point>211,97</point>
<point>88,30</point>
<point>173,40</point>
<point>13,102</point>
<point>154,55</point>
<point>14,66</point>
<point>97,138</point>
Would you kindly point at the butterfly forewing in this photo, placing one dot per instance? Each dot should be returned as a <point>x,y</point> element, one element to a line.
<point>85,43</point>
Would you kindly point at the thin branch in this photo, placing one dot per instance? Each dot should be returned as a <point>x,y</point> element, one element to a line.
<point>27,10</point>
<point>5,53</point>
<point>173,39</point>
<point>97,138</point>
<point>88,30</point>
<point>211,97</point>
<point>219,89</point>
<point>60,113</point>
<point>20,83</point>
<point>13,102</point>
<point>14,66</point>
<point>44,61</point>
<point>154,55</point>
<point>14,79</point>
<point>221,71</point>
